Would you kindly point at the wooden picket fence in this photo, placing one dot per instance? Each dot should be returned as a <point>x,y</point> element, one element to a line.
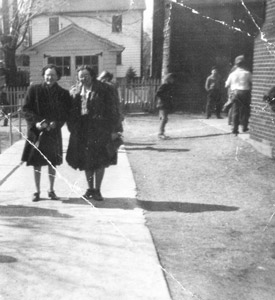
<point>138,95</point>
<point>15,97</point>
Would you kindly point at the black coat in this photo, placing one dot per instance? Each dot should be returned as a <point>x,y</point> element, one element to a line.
<point>49,104</point>
<point>90,144</point>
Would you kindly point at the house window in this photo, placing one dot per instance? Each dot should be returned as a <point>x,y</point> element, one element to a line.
<point>53,25</point>
<point>90,60</point>
<point>25,61</point>
<point>117,23</point>
<point>119,59</point>
<point>63,63</point>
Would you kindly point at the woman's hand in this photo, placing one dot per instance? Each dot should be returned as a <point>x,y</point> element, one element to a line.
<point>52,125</point>
<point>46,125</point>
<point>42,125</point>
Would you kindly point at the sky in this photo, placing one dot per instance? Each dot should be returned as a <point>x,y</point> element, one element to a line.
<point>148,15</point>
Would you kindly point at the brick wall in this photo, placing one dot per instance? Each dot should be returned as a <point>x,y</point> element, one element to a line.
<point>262,120</point>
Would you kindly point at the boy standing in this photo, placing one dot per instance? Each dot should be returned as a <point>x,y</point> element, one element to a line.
<point>213,87</point>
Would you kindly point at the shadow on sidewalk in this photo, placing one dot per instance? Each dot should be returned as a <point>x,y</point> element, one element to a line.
<point>30,211</point>
<point>200,136</point>
<point>138,144</point>
<point>5,259</point>
<point>183,206</point>
<point>110,203</point>
<point>157,149</point>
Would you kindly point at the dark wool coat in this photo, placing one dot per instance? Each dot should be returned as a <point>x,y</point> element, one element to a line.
<point>90,145</point>
<point>50,104</point>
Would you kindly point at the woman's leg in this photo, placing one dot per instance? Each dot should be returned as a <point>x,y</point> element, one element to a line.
<point>94,179</point>
<point>90,178</point>
<point>99,174</point>
<point>51,172</point>
<point>37,177</point>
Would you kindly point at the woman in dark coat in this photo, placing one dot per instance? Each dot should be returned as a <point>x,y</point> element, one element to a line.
<point>92,122</point>
<point>46,109</point>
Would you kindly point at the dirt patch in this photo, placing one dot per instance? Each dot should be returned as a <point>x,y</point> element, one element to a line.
<point>208,198</point>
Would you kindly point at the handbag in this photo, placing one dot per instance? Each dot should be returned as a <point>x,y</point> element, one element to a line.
<point>113,146</point>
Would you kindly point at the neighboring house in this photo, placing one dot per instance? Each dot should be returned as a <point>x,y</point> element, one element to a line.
<point>262,120</point>
<point>190,36</point>
<point>104,34</point>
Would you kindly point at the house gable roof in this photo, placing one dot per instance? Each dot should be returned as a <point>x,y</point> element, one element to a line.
<point>94,5</point>
<point>76,29</point>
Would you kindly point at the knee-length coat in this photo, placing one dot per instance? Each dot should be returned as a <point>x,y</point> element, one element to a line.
<point>52,105</point>
<point>90,144</point>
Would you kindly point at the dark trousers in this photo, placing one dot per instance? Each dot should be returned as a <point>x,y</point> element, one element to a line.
<point>213,103</point>
<point>241,110</point>
<point>163,116</point>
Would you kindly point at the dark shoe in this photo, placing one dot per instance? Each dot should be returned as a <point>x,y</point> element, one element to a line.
<point>53,196</point>
<point>245,129</point>
<point>97,195</point>
<point>89,194</point>
<point>235,132</point>
<point>162,136</point>
<point>36,197</point>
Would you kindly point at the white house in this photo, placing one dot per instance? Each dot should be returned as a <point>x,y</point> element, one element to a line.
<point>105,34</point>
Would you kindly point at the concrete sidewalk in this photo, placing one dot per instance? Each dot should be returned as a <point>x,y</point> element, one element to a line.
<point>71,249</point>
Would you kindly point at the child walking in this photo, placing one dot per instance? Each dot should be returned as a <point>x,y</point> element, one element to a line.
<point>164,104</point>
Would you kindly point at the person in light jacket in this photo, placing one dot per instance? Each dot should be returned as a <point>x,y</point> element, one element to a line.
<point>240,82</point>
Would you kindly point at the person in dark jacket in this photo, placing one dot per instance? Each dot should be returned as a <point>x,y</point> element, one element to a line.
<point>213,86</point>
<point>164,97</point>
<point>46,108</point>
<point>92,121</point>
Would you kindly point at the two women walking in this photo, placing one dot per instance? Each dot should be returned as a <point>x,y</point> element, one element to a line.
<point>91,117</point>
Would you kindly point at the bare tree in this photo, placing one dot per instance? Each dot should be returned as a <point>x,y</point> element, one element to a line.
<point>17,16</point>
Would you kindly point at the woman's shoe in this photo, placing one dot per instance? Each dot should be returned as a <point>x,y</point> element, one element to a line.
<point>89,194</point>
<point>52,195</point>
<point>36,197</point>
<point>162,136</point>
<point>97,195</point>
